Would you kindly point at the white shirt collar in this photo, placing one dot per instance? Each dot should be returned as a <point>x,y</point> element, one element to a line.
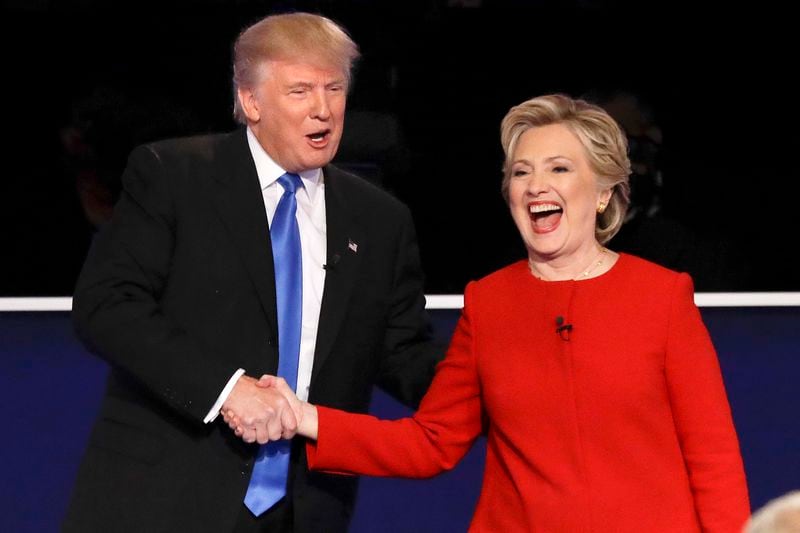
<point>268,170</point>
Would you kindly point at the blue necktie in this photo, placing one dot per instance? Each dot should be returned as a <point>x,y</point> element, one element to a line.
<point>268,482</point>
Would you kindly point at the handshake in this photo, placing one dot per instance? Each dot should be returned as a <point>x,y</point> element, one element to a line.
<point>267,410</point>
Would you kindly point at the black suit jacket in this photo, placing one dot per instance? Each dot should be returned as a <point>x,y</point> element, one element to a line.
<point>178,292</point>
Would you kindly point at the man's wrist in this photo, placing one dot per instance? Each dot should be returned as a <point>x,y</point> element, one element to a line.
<point>223,397</point>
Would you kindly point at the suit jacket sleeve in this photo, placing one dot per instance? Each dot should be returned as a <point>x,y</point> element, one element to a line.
<point>703,418</point>
<point>410,353</point>
<point>434,439</point>
<point>116,306</point>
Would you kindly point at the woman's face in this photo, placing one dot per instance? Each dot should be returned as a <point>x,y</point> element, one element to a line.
<point>553,193</point>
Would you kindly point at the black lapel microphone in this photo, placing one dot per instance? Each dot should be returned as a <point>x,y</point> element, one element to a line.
<point>563,330</point>
<point>331,266</point>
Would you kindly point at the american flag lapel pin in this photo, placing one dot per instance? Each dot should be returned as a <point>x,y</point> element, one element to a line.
<point>353,246</point>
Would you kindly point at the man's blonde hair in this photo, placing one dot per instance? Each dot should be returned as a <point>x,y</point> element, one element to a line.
<point>291,36</point>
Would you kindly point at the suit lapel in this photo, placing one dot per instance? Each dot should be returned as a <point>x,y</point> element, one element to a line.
<point>344,236</point>
<point>237,196</point>
<point>236,193</point>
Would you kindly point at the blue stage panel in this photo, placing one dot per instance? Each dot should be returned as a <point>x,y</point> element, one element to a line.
<point>51,389</point>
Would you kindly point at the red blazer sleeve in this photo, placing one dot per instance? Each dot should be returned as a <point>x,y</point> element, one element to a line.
<point>703,418</point>
<point>434,439</point>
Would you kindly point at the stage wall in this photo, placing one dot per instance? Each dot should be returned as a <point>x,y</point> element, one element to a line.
<point>51,388</point>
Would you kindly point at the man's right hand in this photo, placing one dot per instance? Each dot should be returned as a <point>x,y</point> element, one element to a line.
<point>305,413</point>
<point>259,414</point>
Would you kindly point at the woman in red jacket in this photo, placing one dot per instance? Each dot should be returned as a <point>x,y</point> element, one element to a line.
<point>591,371</point>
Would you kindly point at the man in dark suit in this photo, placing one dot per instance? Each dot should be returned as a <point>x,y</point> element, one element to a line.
<point>179,295</point>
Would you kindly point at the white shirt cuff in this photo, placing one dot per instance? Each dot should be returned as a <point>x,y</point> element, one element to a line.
<point>214,412</point>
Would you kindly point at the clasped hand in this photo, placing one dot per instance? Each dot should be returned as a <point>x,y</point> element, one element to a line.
<point>262,410</point>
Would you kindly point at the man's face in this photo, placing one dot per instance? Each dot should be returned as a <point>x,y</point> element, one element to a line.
<point>296,112</point>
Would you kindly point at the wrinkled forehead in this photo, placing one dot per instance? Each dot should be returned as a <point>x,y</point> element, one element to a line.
<point>553,137</point>
<point>297,62</point>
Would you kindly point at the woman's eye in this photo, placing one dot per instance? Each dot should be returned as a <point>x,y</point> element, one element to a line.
<point>560,169</point>
<point>519,172</point>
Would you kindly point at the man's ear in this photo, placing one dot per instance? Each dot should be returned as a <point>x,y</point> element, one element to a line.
<point>250,104</point>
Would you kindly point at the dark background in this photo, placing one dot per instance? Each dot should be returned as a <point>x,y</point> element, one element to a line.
<point>86,80</point>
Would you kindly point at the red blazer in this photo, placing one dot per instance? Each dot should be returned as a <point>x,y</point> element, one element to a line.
<point>623,425</point>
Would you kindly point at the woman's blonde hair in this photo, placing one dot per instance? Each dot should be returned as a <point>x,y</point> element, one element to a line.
<point>605,144</point>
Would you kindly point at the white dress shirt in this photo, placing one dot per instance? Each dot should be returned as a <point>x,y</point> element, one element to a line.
<point>313,244</point>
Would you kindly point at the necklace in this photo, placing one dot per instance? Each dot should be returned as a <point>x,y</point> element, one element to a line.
<point>601,256</point>
<point>593,267</point>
